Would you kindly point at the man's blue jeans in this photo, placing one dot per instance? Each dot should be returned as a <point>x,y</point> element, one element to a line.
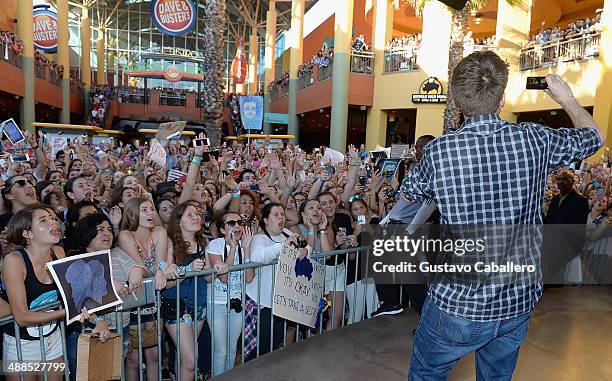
<point>442,339</point>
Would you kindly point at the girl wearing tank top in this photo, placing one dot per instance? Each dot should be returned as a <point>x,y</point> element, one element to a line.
<point>35,230</point>
<point>147,244</point>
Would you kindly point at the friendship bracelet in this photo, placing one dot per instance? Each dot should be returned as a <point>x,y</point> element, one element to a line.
<point>311,234</point>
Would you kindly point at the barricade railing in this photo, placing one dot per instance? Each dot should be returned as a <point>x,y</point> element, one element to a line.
<point>550,54</point>
<point>401,60</point>
<point>223,318</point>
<point>362,63</point>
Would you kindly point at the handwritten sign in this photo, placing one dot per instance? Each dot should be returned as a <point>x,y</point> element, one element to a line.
<point>157,153</point>
<point>298,289</point>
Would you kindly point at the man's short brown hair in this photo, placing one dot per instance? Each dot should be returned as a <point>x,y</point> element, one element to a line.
<point>478,83</point>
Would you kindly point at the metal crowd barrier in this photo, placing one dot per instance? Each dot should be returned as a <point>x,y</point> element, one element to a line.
<point>299,333</point>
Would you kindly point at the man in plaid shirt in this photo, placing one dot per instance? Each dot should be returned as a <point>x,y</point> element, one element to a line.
<point>488,172</point>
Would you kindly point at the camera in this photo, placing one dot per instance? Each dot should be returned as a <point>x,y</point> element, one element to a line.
<point>300,243</point>
<point>390,193</point>
<point>235,304</point>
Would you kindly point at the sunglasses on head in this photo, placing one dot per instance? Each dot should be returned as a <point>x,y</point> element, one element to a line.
<point>232,223</point>
<point>355,198</point>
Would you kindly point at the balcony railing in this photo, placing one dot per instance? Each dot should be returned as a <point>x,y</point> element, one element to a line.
<point>7,54</point>
<point>305,80</point>
<point>551,53</point>
<point>54,78</point>
<point>401,60</point>
<point>39,71</point>
<point>325,71</point>
<point>173,100</point>
<point>274,95</point>
<point>362,63</point>
<point>132,97</point>
<point>284,90</point>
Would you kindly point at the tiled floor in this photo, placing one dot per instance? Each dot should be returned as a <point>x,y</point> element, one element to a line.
<point>570,338</point>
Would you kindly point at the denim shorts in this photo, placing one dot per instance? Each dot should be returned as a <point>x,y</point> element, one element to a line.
<point>189,316</point>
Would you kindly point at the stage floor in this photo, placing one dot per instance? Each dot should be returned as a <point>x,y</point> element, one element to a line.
<point>570,339</point>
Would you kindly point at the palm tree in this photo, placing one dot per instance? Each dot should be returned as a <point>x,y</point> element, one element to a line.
<point>214,66</point>
<point>459,28</point>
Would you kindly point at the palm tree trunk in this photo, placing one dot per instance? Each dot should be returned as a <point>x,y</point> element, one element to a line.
<point>459,28</point>
<point>214,66</point>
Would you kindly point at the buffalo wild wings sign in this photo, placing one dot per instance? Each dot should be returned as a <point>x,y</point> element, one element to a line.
<point>174,17</point>
<point>430,91</point>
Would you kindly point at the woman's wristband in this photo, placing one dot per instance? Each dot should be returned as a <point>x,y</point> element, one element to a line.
<point>311,234</point>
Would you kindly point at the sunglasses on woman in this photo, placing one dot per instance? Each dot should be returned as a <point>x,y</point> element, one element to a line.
<point>20,183</point>
<point>232,223</point>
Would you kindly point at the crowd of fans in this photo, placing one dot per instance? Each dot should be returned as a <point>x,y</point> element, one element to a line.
<point>578,41</point>
<point>232,102</point>
<point>573,30</point>
<point>11,45</point>
<point>276,86</point>
<point>236,204</point>
<point>100,100</point>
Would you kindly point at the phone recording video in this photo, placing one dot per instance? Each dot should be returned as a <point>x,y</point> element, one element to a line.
<point>536,83</point>
<point>201,142</point>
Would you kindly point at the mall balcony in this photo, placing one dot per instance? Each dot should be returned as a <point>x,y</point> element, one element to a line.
<point>315,86</point>
<point>47,89</point>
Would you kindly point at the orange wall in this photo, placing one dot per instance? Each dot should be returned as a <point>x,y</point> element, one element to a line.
<point>8,13</point>
<point>314,41</point>
<point>319,95</point>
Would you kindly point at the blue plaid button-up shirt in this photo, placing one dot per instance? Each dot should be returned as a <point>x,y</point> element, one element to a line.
<point>493,172</point>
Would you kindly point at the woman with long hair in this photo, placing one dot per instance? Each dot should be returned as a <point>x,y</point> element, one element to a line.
<point>95,233</point>
<point>186,251</point>
<point>147,244</point>
<point>360,292</point>
<point>266,246</point>
<point>35,232</point>
<point>164,207</point>
<point>232,248</point>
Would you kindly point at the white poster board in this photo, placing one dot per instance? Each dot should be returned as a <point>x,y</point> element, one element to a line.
<point>85,281</point>
<point>298,288</point>
<point>157,153</point>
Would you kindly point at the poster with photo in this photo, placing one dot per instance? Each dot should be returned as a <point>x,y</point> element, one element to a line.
<point>299,288</point>
<point>85,281</point>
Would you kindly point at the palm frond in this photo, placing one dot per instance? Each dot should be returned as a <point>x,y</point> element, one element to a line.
<point>418,5</point>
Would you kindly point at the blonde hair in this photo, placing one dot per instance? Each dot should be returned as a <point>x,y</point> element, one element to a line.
<point>131,213</point>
